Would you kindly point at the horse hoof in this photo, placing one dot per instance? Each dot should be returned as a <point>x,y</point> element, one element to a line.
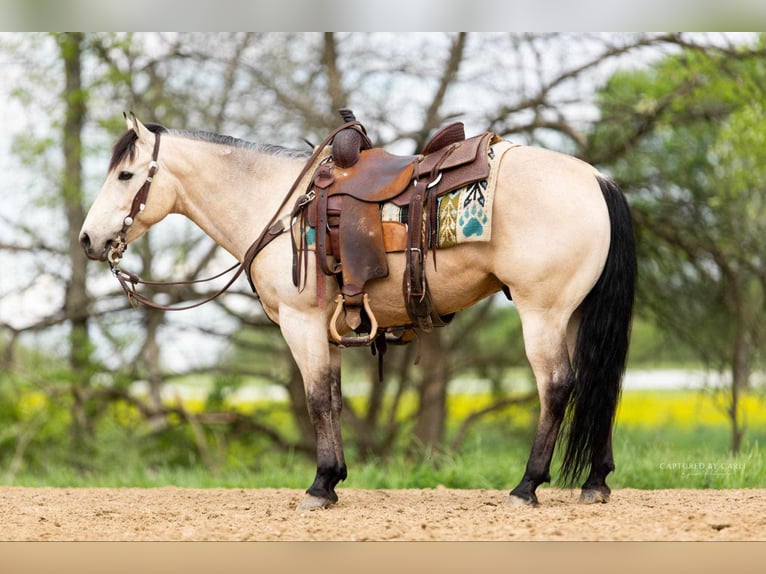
<point>593,496</point>
<point>519,502</point>
<point>311,502</point>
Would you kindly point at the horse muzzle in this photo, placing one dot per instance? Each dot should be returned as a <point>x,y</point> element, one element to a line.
<point>90,252</point>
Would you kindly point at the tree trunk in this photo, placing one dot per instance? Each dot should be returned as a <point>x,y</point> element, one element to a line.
<point>739,365</point>
<point>298,406</point>
<point>76,298</point>
<point>338,98</point>
<point>429,428</point>
<point>151,357</point>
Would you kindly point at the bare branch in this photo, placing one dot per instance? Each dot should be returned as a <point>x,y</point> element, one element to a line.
<point>433,118</point>
<point>495,407</point>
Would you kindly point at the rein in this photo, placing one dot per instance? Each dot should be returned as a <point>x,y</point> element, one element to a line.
<point>273,229</point>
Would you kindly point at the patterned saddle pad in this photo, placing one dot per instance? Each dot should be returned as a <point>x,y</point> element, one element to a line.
<point>463,215</point>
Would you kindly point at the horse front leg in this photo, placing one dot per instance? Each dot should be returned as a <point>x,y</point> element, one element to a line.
<point>319,364</point>
<point>323,395</point>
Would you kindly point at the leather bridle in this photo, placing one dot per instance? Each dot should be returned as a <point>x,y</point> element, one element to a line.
<point>120,244</point>
<point>273,229</point>
<point>128,281</point>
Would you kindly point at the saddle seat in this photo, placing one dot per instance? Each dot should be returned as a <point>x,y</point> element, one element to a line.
<point>350,189</point>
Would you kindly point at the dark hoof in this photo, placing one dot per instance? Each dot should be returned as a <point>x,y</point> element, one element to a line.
<point>594,495</point>
<point>311,502</point>
<point>519,502</point>
<point>520,498</point>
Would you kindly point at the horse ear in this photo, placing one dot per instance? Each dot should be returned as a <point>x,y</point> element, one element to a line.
<point>135,124</point>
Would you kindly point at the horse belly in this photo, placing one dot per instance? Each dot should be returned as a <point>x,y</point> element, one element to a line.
<point>459,279</point>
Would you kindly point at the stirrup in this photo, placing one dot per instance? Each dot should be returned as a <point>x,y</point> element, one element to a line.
<point>353,340</point>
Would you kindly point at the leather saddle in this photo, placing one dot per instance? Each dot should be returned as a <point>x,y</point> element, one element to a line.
<point>351,239</point>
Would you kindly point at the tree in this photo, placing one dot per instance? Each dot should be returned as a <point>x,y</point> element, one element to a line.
<point>685,138</point>
<point>74,96</point>
<point>277,88</point>
<point>64,173</point>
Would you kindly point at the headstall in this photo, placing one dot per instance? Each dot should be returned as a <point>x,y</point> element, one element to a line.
<point>273,229</point>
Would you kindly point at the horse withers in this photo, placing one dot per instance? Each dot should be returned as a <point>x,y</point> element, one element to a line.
<point>561,243</point>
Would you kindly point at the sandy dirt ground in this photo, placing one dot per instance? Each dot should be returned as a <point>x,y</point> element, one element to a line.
<point>440,514</point>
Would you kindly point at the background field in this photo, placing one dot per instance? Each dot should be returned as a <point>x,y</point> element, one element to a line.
<point>663,439</point>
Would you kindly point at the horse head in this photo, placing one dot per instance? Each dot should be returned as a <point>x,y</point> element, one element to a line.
<point>124,210</point>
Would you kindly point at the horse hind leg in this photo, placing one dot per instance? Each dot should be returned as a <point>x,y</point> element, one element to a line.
<point>547,354</point>
<point>595,488</point>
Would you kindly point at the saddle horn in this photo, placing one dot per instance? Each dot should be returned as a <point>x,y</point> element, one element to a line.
<point>349,143</point>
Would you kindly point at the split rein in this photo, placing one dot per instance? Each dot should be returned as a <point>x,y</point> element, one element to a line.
<point>273,229</point>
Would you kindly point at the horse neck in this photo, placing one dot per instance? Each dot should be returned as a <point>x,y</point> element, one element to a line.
<point>231,193</point>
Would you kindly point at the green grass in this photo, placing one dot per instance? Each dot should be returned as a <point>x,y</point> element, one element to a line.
<point>681,439</point>
<point>686,459</point>
<point>667,439</point>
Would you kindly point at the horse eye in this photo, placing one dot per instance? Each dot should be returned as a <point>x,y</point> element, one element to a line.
<point>124,175</point>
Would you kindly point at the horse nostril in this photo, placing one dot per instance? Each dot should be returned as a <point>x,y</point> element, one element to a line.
<point>85,241</point>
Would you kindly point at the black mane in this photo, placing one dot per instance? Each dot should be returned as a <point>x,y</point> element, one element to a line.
<point>126,145</point>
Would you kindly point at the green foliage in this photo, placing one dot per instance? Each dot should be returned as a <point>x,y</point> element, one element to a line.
<point>651,348</point>
<point>223,387</point>
<point>685,138</point>
<point>260,352</point>
<point>670,458</point>
<point>662,440</point>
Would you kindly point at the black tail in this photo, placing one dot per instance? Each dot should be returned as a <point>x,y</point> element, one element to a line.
<point>602,343</point>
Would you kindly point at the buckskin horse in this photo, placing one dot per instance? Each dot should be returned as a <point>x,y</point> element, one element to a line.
<point>561,246</point>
